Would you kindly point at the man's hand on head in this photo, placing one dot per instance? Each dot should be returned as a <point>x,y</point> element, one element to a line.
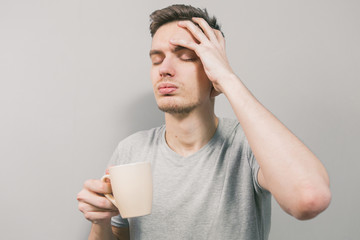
<point>210,48</point>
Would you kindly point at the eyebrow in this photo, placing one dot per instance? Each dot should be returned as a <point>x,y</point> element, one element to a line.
<point>174,50</point>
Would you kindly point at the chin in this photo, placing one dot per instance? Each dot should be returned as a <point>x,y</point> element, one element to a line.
<point>177,108</point>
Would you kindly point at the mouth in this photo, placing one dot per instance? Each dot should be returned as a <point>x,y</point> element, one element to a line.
<point>167,88</point>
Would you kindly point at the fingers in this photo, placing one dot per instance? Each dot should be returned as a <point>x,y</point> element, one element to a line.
<point>183,43</point>
<point>93,204</point>
<point>98,186</point>
<point>203,33</point>
<point>99,202</point>
<point>209,46</point>
<point>97,217</point>
<point>195,31</point>
<point>209,32</point>
<point>220,37</point>
<point>94,214</point>
<point>87,207</point>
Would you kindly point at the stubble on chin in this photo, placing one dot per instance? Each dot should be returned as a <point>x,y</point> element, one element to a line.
<point>177,109</point>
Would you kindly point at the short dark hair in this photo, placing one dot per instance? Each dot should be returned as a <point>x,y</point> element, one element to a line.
<point>179,12</point>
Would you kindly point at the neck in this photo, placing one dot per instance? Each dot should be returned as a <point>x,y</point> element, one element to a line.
<point>186,134</point>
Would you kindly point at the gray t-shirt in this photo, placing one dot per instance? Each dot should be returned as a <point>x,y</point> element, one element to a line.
<point>212,194</point>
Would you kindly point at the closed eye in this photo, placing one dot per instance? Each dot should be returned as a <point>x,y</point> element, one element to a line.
<point>156,59</point>
<point>188,56</point>
<point>190,59</point>
<point>156,63</point>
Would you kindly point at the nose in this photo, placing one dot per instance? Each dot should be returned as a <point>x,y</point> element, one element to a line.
<point>167,68</point>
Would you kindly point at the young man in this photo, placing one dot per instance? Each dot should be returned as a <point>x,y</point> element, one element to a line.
<point>212,177</point>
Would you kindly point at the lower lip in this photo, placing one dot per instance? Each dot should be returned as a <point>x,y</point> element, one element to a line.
<point>167,90</point>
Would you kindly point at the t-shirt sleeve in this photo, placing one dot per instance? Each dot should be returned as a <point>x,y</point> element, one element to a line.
<point>254,168</point>
<point>119,222</point>
<point>241,140</point>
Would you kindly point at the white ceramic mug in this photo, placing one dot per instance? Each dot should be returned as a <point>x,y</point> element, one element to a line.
<point>132,188</point>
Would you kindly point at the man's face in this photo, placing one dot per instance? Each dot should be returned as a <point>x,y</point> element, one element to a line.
<point>179,80</point>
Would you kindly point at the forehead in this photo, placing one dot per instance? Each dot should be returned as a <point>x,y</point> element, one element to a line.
<point>167,32</point>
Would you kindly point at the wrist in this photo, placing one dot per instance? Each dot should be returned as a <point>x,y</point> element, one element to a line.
<point>230,83</point>
<point>237,93</point>
<point>101,230</point>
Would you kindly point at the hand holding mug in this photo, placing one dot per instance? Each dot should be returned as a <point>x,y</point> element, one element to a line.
<point>95,207</point>
<point>131,188</point>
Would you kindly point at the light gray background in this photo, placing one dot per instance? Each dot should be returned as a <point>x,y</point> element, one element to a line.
<point>75,80</point>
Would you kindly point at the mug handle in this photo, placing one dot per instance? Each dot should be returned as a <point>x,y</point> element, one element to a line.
<point>109,195</point>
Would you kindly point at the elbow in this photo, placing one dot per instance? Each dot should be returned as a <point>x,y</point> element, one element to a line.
<point>312,203</point>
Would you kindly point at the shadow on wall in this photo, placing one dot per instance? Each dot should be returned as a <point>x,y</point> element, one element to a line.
<point>143,114</point>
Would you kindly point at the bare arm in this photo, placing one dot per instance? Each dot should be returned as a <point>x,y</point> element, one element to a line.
<point>288,169</point>
<point>106,231</point>
<point>101,231</point>
<point>121,233</point>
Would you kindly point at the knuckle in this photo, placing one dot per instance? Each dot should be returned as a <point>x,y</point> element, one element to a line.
<point>81,207</point>
<point>103,187</point>
<point>103,202</point>
<point>87,183</point>
<point>208,47</point>
<point>88,216</point>
<point>80,195</point>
